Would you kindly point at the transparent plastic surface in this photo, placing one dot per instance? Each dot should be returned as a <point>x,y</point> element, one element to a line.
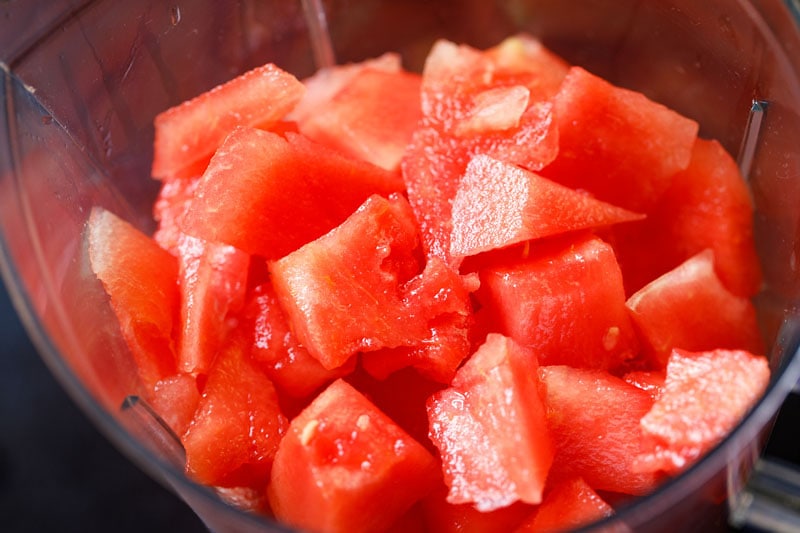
<point>82,81</point>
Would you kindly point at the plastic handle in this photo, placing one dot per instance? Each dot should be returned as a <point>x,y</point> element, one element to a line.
<point>771,499</point>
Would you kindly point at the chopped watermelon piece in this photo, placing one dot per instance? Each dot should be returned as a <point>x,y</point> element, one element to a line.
<point>568,504</point>
<point>324,84</point>
<point>412,521</point>
<point>371,119</point>
<point>287,362</point>
<point>441,297</point>
<point>175,399</point>
<point>172,201</point>
<point>705,395</point>
<point>406,409</point>
<point>616,143</point>
<point>493,458</point>
<point>498,204</point>
<point>341,291</point>
<point>454,75</point>
<point>459,89</point>
<point>340,456</point>
<point>248,499</point>
<point>566,301</point>
<point>296,188</point>
<point>187,135</point>
<point>366,265</point>
<point>234,435</point>
<point>707,206</point>
<point>444,517</point>
<point>593,418</point>
<point>650,381</point>
<point>213,281</point>
<point>523,59</point>
<point>141,280</point>
<point>690,308</point>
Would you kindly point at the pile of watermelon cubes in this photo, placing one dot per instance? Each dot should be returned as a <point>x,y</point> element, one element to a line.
<point>502,294</point>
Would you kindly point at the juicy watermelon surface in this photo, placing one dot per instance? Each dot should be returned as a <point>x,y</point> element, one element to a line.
<point>501,294</point>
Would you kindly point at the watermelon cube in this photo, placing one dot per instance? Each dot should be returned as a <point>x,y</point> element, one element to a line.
<point>187,135</point>
<point>296,188</point>
<point>459,87</point>
<point>704,396</point>
<point>341,291</point>
<point>441,297</point>
<point>568,504</point>
<point>616,143</point>
<point>490,428</point>
<point>141,280</point>
<point>372,118</point>
<point>566,300</point>
<point>275,348</point>
<point>339,458</point>
<point>594,419</point>
<point>172,201</point>
<point>690,308</point>
<point>234,435</point>
<point>444,517</point>
<point>498,204</point>
<point>707,206</point>
<point>175,399</point>
<point>212,279</point>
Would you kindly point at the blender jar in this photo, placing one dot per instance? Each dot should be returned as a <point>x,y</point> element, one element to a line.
<point>83,80</point>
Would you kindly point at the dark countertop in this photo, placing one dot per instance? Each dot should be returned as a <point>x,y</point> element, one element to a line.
<point>57,472</point>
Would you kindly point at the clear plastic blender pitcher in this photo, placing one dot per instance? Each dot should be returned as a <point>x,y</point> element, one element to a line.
<point>82,82</point>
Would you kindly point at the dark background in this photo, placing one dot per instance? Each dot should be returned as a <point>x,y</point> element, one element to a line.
<point>58,473</point>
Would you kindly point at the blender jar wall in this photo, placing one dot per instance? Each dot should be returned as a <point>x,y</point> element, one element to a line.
<point>80,97</point>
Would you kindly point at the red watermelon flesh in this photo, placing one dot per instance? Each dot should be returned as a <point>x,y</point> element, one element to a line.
<point>339,458</point>
<point>276,348</point>
<point>524,60</point>
<point>454,75</point>
<point>490,428</point>
<point>172,201</point>
<point>296,188</point>
<point>187,135</point>
<point>565,299</point>
<point>234,435</point>
<point>245,499</point>
<point>213,281</point>
<point>616,143</point>
<point>444,517</point>
<point>650,381</point>
<point>441,297</point>
<point>455,82</point>
<point>707,206</point>
<point>593,418</point>
<point>412,521</point>
<point>324,84</point>
<point>175,399</point>
<point>690,308</point>
<point>401,396</point>
<point>705,395</point>
<point>342,293</point>
<point>141,280</point>
<point>371,119</point>
<point>498,204</point>
<point>567,504</point>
